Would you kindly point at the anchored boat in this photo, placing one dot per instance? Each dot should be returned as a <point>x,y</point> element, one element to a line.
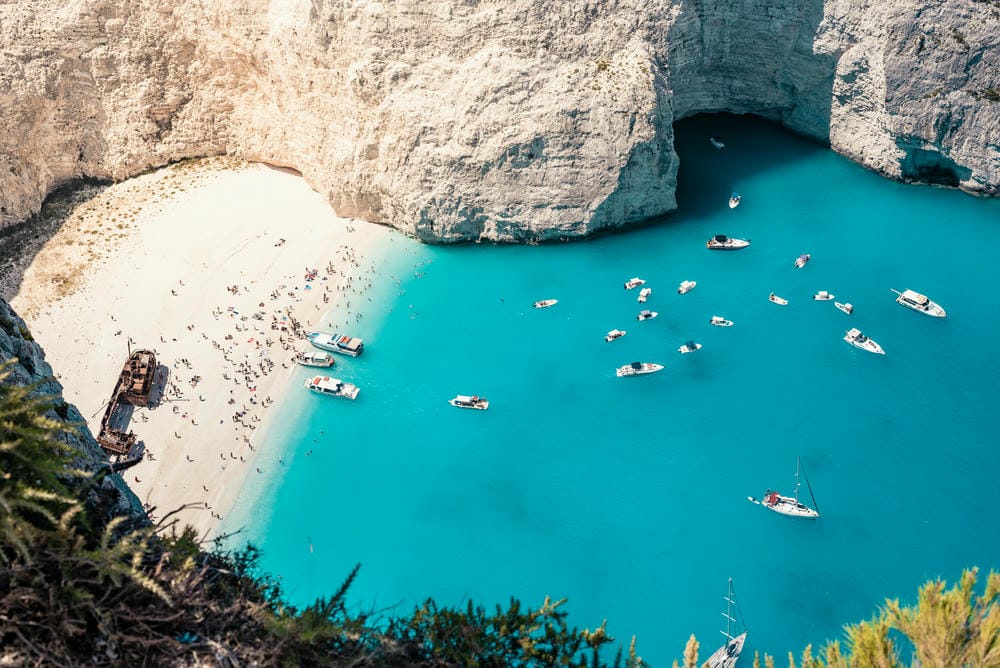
<point>332,387</point>
<point>790,505</point>
<point>920,303</point>
<point>337,343</point>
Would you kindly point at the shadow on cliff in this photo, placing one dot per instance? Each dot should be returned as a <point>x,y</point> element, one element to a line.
<point>19,244</point>
<point>752,146</point>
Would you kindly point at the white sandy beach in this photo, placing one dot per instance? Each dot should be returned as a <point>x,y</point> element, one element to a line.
<point>204,263</point>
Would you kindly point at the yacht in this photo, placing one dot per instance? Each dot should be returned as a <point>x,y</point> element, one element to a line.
<point>644,295</point>
<point>545,303</point>
<point>337,343</point>
<point>734,200</point>
<point>790,505</point>
<point>719,321</point>
<point>313,358</point>
<point>686,286</point>
<point>716,143</point>
<point>646,314</point>
<point>332,386</point>
<point>464,401</point>
<point>919,302</point>
<point>614,334</point>
<point>634,283</point>
<point>859,340</point>
<point>846,307</point>
<point>801,260</point>
<point>722,242</point>
<point>780,301</point>
<point>822,296</point>
<point>637,369</point>
<point>689,347</point>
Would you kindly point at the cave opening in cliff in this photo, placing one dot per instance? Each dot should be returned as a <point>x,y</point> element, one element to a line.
<point>750,147</point>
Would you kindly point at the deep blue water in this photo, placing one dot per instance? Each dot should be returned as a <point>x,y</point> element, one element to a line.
<point>628,496</point>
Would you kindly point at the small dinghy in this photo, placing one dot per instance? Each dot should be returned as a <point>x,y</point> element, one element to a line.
<point>777,300</point>
<point>801,260</point>
<point>719,321</point>
<point>545,303</point>
<point>689,347</point>
<point>734,200</point>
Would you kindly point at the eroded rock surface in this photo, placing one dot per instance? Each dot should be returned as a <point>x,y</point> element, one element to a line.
<point>467,120</point>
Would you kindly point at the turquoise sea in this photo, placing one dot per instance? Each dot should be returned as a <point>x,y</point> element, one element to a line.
<point>628,496</point>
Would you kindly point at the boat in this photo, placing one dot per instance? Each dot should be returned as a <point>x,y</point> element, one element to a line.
<point>637,369</point>
<point>919,302</point>
<point>646,314</point>
<point>689,347</point>
<point>545,303</point>
<point>337,343</point>
<point>801,260</point>
<point>465,401</point>
<point>644,294</point>
<point>777,300</point>
<point>686,286</point>
<point>727,655</point>
<point>722,242</point>
<point>313,358</point>
<point>790,505</point>
<point>822,296</point>
<point>614,334</point>
<point>734,200</point>
<point>859,340</point>
<point>716,143</point>
<point>332,386</point>
<point>634,282</point>
<point>846,307</point>
<point>719,321</point>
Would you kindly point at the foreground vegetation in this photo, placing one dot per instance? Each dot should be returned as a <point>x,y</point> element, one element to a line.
<point>79,586</point>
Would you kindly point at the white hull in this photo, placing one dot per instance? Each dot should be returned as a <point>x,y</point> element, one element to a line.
<point>801,260</point>
<point>643,369</point>
<point>716,143</point>
<point>336,343</point>
<point>719,321</point>
<point>727,655</point>
<point>722,242</point>
<point>644,295</point>
<point>786,505</point>
<point>919,303</point>
<point>846,308</point>
<point>634,283</point>
<point>777,300</point>
<point>686,349</point>
<point>647,315</point>
<point>474,403</point>
<point>822,296</point>
<point>734,202</point>
<point>332,387</point>
<point>615,334</point>
<point>324,360</point>
<point>545,303</point>
<point>686,286</point>
<point>862,342</point>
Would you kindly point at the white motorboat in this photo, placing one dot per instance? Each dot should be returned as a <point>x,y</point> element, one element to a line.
<point>722,242</point>
<point>734,200</point>
<point>716,143</point>
<point>337,343</point>
<point>727,655</point>
<point>686,286</point>
<point>545,303</point>
<point>644,294</point>
<point>846,307</point>
<point>801,260</point>
<point>919,302</point>
<point>313,358</point>
<point>790,505</point>
<point>634,283</point>
<point>719,321</point>
<point>467,401</point>
<point>822,296</point>
<point>646,314</point>
<point>689,347</point>
<point>781,301</point>
<point>332,386</point>
<point>637,369</point>
<point>614,334</point>
<point>859,340</point>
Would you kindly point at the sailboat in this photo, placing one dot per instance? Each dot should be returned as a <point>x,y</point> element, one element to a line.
<point>727,655</point>
<point>790,505</point>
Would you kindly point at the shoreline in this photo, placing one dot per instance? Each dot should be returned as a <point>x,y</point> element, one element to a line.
<point>200,263</point>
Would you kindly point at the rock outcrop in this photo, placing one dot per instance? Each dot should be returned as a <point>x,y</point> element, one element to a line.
<point>466,119</point>
<point>28,366</point>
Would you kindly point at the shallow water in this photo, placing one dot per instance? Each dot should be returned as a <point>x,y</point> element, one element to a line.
<point>628,496</point>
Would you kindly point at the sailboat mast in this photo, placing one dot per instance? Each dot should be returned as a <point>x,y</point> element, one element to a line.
<point>798,462</point>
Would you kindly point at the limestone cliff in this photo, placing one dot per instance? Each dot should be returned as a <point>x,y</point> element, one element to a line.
<point>467,119</point>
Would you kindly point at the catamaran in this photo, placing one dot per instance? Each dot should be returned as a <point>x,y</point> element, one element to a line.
<point>727,655</point>
<point>790,505</point>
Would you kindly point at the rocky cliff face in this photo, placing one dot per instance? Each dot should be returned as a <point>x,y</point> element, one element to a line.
<point>466,119</point>
<point>29,366</point>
